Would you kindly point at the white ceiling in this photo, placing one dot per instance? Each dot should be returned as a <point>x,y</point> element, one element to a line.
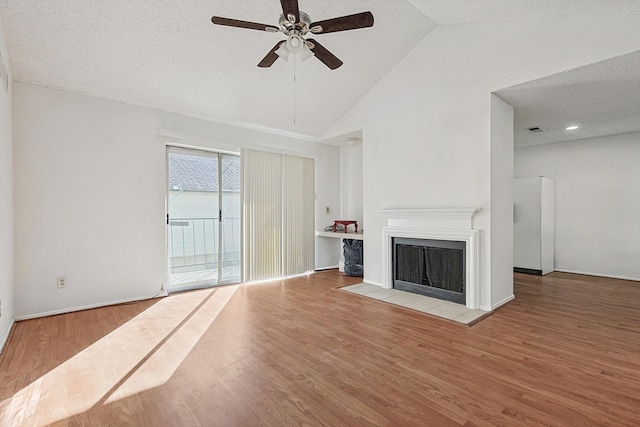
<point>452,12</point>
<point>168,55</point>
<point>601,99</point>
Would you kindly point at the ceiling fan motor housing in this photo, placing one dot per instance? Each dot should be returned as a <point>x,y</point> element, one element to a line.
<point>302,26</point>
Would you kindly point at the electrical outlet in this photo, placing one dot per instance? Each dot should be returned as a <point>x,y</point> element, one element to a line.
<point>62,282</point>
<point>327,210</point>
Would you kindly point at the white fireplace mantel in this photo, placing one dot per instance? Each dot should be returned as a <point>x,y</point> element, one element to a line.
<point>454,224</point>
<point>435,218</point>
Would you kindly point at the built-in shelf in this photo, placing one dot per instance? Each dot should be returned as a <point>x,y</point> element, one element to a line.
<point>341,235</point>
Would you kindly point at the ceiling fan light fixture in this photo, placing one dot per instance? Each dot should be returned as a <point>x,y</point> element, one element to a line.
<point>283,52</point>
<point>295,42</point>
<point>306,53</point>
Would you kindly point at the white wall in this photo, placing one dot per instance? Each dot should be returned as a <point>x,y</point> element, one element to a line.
<point>597,202</point>
<point>6,203</point>
<point>219,136</point>
<point>89,201</point>
<point>351,183</point>
<point>327,194</point>
<point>90,181</point>
<point>427,123</point>
<point>501,238</point>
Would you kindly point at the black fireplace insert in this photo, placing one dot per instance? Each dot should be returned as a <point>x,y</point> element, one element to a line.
<point>435,268</point>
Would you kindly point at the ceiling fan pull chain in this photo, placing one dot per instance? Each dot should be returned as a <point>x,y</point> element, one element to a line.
<point>294,89</point>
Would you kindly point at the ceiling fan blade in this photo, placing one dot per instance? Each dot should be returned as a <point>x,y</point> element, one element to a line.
<point>271,57</point>
<point>344,23</point>
<point>290,7</point>
<point>243,24</point>
<point>328,58</point>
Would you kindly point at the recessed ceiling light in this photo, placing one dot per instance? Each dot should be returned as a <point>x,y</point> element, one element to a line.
<point>572,127</point>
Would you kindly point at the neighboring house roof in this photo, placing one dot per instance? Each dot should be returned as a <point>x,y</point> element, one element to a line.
<point>195,173</point>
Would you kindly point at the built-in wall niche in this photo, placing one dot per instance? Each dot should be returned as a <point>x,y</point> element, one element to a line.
<point>350,191</point>
<point>351,181</point>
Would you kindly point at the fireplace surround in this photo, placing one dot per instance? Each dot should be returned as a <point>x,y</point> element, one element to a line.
<point>446,224</point>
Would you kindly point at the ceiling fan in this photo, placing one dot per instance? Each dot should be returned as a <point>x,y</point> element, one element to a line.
<point>296,25</point>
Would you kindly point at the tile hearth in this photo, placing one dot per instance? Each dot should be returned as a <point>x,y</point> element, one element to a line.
<point>435,307</point>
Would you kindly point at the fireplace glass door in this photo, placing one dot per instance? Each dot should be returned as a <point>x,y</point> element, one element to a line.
<point>434,268</point>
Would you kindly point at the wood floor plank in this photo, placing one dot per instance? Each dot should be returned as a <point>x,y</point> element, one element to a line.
<point>300,352</point>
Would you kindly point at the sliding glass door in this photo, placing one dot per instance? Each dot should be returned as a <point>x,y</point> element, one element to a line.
<point>231,224</point>
<point>203,221</point>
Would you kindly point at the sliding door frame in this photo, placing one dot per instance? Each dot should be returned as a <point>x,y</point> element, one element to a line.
<point>204,152</point>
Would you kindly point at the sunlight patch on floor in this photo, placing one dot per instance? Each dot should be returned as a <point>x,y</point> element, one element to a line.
<point>128,360</point>
<point>164,362</point>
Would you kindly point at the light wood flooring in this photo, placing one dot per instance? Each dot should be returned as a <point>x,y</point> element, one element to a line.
<point>565,352</point>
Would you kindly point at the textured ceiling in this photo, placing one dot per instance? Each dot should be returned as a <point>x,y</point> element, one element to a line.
<point>451,12</point>
<point>601,99</point>
<point>167,54</point>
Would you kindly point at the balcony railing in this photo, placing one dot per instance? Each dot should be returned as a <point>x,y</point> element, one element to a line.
<point>194,243</point>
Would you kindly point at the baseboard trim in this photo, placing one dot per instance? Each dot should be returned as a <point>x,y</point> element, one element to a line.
<point>371,282</point>
<point>86,307</point>
<point>335,267</point>
<point>609,276</point>
<point>527,271</point>
<point>5,340</point>
<point>503,302</point>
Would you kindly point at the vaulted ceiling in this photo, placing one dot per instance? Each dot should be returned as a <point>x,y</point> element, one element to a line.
<point>168,55</point>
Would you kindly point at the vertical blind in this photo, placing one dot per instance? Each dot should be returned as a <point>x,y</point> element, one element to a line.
<point>279,214</point>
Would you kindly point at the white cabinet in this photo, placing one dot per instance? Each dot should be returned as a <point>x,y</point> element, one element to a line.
<point>533,225</point>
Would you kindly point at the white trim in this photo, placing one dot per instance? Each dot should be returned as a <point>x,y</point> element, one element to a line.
<point>6,337</point>
<point>374,283</point>
<point>609,276</point>
<point>327,268</point>
<point>188,114</point>
<point>186,140</point>
<point>460,218</point>
<point>341,235</point>
<point>432,212</point>
<point>86,307</point>
<point>233,152</point>
<point>342,140</point>
<point>498,304</point>
<point>250,126</point>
